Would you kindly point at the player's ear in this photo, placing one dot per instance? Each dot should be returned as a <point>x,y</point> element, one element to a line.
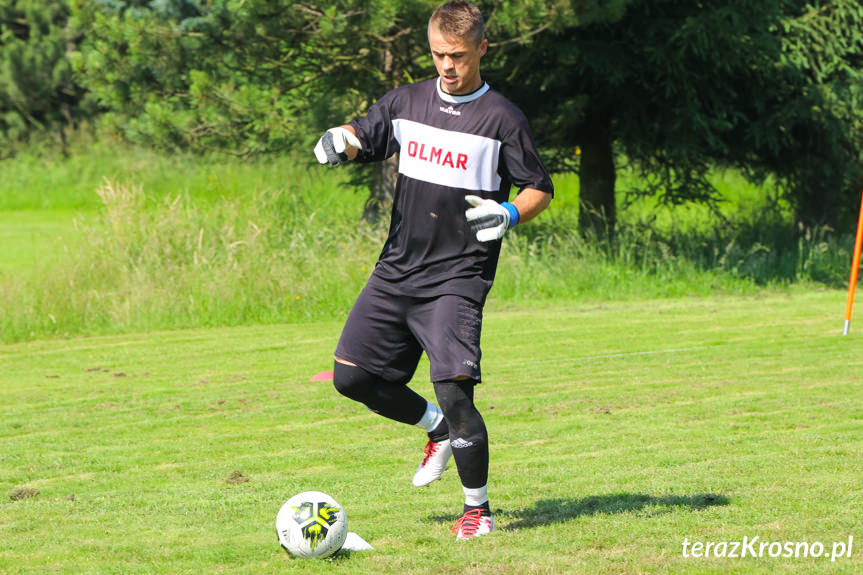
<point>483,46</point>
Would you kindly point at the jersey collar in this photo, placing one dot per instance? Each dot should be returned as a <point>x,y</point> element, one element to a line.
<point>461,99</point>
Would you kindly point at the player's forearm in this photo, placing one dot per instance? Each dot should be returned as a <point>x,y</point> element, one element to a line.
<point>350,150</point>
<point>530,202</point>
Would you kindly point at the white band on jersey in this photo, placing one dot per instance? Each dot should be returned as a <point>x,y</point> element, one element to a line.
<point>447,158</point>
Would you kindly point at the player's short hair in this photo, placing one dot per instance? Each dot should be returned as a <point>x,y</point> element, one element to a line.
<point>459,19</point>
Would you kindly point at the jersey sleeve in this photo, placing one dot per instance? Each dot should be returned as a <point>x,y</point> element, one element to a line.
<point>375,131</point>
<point>521,161</point>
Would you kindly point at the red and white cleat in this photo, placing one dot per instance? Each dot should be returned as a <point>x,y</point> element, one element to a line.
<point>473,524</point>
<point>434,463</point>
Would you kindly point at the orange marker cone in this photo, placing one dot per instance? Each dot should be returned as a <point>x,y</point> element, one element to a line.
<point>855,267</point>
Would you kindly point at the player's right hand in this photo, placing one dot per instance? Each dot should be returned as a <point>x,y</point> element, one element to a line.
<point>332,147</point>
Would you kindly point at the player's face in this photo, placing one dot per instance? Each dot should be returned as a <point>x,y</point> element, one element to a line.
<point>457,61</point>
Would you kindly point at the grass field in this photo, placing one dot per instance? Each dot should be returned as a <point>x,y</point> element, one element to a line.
<point>619,431</point>
<point>687,385</point>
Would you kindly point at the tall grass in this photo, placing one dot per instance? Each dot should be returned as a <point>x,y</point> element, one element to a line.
<point>255,259</point>
<point>666,251</point>
<point>171,242</point>
<point>552,261</point>
<point>226,253</point>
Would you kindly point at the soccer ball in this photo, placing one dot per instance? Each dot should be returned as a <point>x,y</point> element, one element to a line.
<point>312,525</point>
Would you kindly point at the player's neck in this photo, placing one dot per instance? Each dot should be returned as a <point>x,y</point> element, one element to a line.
<point>467,90</point>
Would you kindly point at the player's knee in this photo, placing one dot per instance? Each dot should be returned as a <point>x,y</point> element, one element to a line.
<point>352,381</point>
<point>456,402</point>
<point>455,405</point>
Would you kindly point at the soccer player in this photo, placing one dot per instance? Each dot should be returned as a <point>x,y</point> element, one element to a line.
<point>461,146</point>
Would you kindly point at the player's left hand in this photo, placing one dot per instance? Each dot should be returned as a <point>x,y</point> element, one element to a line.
<point>488,219</point>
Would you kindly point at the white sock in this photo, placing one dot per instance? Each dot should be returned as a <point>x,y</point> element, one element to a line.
<point>431,418</point>
<point>475,497</point>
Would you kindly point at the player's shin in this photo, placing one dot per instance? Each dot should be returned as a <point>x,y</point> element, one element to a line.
<point>468,434</point>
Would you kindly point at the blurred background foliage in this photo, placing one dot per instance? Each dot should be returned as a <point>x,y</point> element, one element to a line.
<point>669,88</point>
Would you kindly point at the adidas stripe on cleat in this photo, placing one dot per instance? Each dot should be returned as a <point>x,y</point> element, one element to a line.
<point>434,463</point>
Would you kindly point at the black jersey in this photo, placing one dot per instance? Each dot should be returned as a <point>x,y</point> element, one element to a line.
<point>449,146</point>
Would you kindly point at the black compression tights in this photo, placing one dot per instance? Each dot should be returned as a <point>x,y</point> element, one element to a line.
<point>467,431</point>
<point>398,402</point>
<point>393,400</point>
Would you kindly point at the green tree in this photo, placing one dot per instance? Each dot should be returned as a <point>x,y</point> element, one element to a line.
<point>678,88</point>
<point>672,87</point>
<point>37,90</point>
<point>182,74</point>
<point>251,76</point>
<point>824,40</point>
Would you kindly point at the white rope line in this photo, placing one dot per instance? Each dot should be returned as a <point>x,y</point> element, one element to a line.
<point>603,356</point>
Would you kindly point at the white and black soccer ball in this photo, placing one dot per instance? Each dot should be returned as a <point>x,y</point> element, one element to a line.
<point>312,525</point>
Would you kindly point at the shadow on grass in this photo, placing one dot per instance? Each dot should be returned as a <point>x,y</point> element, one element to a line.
<point>558,510</point>
<point>548,511</point>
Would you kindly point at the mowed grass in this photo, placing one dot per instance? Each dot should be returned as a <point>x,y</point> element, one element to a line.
<point>36,239</point>
<point>619,430</point>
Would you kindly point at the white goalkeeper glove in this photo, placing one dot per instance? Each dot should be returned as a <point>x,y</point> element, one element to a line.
<point>488,219</point>
<point>332,145</point>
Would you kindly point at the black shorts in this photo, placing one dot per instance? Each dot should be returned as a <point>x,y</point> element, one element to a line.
<point>386,333</point>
